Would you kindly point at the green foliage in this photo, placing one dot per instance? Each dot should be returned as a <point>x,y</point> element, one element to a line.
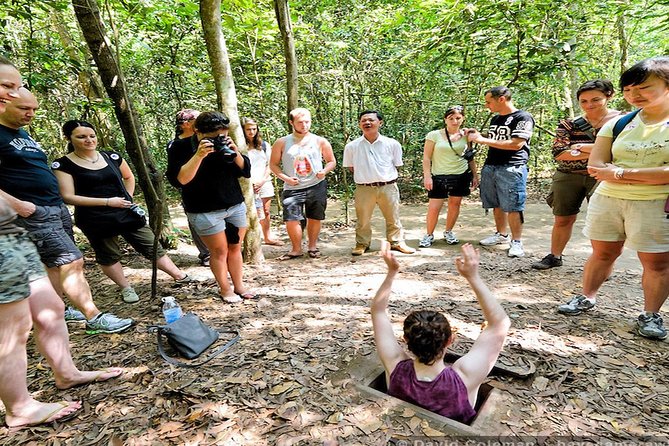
<point>410,59</point>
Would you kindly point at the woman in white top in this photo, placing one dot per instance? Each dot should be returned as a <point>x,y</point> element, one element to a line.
<point>447,174</point>
<point>259,153</point>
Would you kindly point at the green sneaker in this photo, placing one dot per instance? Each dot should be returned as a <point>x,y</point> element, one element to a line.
<point>107,323</point>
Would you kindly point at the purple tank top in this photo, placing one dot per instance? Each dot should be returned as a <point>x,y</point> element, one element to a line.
<point>446,395</point>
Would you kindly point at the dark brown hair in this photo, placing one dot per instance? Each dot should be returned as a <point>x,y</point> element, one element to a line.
<point>211,121</point>
<point>69,127</point>
<point>427,333</point>
<point>604,86</point>
<point>640,72</point>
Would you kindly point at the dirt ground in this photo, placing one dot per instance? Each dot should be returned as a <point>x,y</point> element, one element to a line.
<point>595,377</point>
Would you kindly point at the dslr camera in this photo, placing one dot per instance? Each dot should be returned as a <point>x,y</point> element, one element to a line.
<point>221,145</point>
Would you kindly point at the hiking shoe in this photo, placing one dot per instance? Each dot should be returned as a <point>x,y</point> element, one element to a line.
<point>495,239</point>
<point>577,305</point>
<point>450,238</point>
<point>204,262</point>
<point>550,261</point>
<point>129,295</point>
<point>74,315</point>
<point>107,323</point>
<point>426,241</point>
<point>650,326</point>
<point>359,249</point>
<point>516,249</point>
<point>402,247</point>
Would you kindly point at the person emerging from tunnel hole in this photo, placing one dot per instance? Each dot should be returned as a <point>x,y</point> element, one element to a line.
<point>424,379</point>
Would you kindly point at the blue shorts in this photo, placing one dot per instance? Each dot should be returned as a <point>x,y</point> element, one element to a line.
<point>19,266</point>
<point>210,223</point>
<point>504,187</point>
<point>50,229</point>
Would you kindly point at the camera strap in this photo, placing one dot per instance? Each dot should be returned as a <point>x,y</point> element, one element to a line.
<point>117,173</point>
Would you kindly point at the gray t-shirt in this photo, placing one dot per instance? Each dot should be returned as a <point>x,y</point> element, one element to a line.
<point>302,160</point>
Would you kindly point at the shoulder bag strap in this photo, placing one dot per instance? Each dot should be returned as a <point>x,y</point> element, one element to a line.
<point>620,125</point>
<point>209,357</point>
<point>117,172</point>
<point>584,126</point>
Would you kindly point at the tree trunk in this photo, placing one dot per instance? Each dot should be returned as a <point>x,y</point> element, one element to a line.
<point>210,15</point>
<point>90,83</point>
<point>282,12</point>
<point>148,176</point>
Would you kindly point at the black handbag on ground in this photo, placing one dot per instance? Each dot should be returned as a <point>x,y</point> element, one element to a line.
<point>190,337</point>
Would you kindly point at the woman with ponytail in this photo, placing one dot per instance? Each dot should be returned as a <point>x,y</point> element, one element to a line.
<point>423,378</point>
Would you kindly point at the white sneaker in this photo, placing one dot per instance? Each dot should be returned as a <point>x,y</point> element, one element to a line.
<point>129,295</point>
<point>426,241</point>
<point>495,239</point>
<point>450,238</point>
<point>516,249</point>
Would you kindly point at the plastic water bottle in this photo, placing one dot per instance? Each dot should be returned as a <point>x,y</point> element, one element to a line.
<point>171,309</point>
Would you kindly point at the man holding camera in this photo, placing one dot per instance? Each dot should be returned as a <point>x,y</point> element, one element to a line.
<point>206,168</point>
<point>30,187</point>
<point>373,159</point>
<point>305,189</point>
<point>504,173</point>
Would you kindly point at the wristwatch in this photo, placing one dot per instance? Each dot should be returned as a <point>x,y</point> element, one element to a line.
<point>576,151</point>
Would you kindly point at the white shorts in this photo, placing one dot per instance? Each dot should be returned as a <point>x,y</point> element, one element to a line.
<point>642,224</point>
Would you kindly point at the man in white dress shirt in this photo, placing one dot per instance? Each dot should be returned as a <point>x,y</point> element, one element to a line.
<point>373,159</point>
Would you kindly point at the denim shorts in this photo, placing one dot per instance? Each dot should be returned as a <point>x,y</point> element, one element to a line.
<point>50,229</point>
<point>19,266</point>
<point>310,202</point>
<point>444,186</point>
<point>210,223</point>
<point>504,187</point>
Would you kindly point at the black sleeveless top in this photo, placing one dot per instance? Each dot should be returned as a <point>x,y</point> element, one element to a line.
<point>101,183</point>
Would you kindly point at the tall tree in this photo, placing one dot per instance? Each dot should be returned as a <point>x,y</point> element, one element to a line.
<point>210,15</point>
<point>149,177</point>
<point>282,11</point>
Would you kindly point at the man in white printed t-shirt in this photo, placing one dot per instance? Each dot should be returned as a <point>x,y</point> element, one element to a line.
<point>373,159</point>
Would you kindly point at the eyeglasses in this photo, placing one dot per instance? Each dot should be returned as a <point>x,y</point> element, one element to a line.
<point>455,108</point>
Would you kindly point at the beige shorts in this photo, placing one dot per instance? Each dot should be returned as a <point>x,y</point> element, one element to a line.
<point>642,224</point>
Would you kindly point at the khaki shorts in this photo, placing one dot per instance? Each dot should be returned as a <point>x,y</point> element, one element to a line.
<point>19,266</point>
<point>642,224</point>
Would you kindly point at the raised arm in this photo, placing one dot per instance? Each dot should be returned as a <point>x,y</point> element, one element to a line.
<point>389,350</point>
<point>474,367</point>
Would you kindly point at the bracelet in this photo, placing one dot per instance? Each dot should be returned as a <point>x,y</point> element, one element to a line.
<point>107,202</point>
<point>618,173</point>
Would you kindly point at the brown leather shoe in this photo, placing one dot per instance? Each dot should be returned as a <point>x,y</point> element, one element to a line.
<point>403,248</point>
<point>359,249</point>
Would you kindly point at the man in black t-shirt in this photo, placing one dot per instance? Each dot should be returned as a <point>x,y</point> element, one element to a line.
<point>31,189</point>
<point>504,173</point>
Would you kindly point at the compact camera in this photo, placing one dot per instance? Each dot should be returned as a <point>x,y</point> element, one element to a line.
<point>220,143</point>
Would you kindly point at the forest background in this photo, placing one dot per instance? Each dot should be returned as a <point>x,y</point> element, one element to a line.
<point>410,59</point>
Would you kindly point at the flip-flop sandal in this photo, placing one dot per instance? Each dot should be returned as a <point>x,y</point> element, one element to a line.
<point>289,256</point>
<point>248,295</point>
<point>314,253</point>
<point>52,417</point>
